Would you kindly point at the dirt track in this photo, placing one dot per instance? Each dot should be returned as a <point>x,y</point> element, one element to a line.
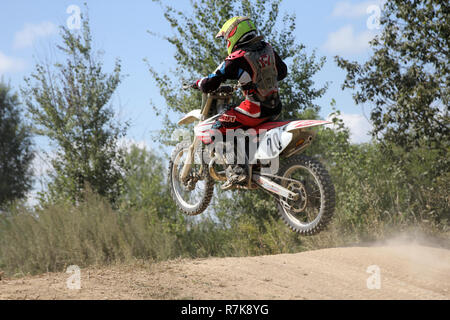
<point>406,272</point>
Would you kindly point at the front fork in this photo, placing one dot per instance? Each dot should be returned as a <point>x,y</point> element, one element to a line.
<point>189,160</point>
<point>206,105</point>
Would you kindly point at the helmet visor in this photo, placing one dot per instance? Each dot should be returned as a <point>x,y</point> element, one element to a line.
<point>229,27</point>
<point>221,34</point>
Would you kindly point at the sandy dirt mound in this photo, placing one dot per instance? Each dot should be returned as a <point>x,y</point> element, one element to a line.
<point>405,272</point>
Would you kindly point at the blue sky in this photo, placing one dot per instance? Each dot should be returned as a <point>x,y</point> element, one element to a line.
<point>29,30</point>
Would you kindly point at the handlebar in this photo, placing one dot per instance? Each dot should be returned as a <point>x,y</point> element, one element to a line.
<point>225,88</point>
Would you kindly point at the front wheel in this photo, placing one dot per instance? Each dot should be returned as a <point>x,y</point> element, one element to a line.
<point>313,209</point>
<point>192,196</point>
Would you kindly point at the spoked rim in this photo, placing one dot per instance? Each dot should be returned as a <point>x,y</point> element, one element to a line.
<point>304,212</point>
<point>188,197</point>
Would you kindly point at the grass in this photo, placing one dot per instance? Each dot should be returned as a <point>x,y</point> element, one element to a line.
<point>52,238</point>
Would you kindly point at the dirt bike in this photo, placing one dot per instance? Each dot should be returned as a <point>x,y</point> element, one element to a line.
<point>301,185</point>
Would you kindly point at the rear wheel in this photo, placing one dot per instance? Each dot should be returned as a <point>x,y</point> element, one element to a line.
<point>193,195</point>
<point>314,207</point>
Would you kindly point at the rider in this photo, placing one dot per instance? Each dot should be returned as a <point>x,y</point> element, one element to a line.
<point>258,68</point>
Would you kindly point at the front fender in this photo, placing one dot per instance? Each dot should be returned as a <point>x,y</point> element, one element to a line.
<point>194,115</point>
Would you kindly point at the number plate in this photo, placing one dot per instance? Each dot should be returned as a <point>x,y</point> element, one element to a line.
<point>273,143</point>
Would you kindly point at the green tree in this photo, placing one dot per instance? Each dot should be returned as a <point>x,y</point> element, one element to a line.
<point>70,104</point>
<point>198,53</point>
<point>15,149</point>
<point>146,185</point>
<point>407,77</point>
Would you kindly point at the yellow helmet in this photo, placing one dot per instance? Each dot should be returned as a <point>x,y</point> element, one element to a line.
<point>234,30</point>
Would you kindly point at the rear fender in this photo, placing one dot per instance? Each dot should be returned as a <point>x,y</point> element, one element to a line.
<point>303,124</point>
<point>285,139</point>
<point>302,137</point>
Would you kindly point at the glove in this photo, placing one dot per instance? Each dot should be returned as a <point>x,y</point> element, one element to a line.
<point>192,85</point>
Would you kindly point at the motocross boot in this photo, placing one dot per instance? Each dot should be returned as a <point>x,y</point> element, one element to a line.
<point>235,175</point>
